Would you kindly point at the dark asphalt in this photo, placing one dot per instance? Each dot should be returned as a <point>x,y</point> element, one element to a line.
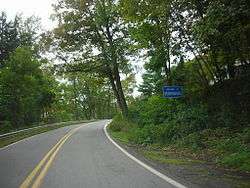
<point>87,159</point>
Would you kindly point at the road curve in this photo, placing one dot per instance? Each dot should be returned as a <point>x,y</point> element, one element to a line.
<point>85,158</point>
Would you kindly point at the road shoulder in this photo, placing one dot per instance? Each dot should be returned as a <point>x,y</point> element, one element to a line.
<point>188,172</point>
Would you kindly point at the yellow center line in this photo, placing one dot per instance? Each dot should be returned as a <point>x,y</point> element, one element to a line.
<point>38,180</point>
<point>49,157</point>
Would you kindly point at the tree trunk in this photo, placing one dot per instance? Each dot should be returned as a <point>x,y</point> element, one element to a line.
<point>124,106</point>
<point>117,93</point>
<point>116,76</point>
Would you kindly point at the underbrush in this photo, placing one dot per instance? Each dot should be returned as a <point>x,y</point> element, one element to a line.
<point>178,125</point>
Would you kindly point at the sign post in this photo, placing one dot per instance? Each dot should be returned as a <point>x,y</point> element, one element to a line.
<point>172,92</point>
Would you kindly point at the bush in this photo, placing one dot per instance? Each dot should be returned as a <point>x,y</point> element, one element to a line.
<point>239,160</point>
<point>148,134</point>
<point>231,145</point>
<point>153,110</point>
<point>157,120</point>
<point>5,127</point>
<point>157,110</point>
<point>165,121</point>
<point>193,141</point>
<point>119,123</point>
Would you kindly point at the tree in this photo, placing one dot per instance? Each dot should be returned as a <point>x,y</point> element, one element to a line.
<point>95,35</point>
<point>82,96</point>
<point>17,33</point>
<point>24,90</point>
<point>8,37</point>
<point>224,29</point>
<point>152,29</point>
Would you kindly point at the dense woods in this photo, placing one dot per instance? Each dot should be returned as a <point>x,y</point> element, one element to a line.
<point>203,46</point>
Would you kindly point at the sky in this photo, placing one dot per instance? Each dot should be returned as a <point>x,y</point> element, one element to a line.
<point>40,8</point>
<point>43,9</point>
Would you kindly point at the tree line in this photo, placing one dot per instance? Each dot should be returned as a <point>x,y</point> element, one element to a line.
<point>208,40</point>
<point>32,91</point>
<point>202,45</point>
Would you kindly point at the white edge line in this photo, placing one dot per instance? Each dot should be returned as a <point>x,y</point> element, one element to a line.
<point>152,170</point>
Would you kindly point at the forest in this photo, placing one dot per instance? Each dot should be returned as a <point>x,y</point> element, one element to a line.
<point>85,68</point>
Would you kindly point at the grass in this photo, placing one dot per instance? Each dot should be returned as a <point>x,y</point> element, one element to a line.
<point>4,141</point>
<point>150,152</point>
<point>163,158</point>
<point>194,158</point>
<point>122,137</point>
<point>222,146</point>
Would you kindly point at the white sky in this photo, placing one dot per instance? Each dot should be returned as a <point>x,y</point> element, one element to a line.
<point>43,10</point>
<point>40,8</point>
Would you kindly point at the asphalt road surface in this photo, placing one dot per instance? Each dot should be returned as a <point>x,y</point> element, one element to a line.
<point>78,156</point>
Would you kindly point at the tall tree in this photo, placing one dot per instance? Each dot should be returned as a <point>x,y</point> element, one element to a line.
<point>96,32</point>
<point>16,33</point>
<point>151,27</point>
<point>8,37</point>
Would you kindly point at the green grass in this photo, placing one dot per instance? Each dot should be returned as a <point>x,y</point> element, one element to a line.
<point>150,152</point>
<point>163,158</point>
<point>22,135</point>
<point>225,147</point>
<point>120,136</point>
<point>241,160</point>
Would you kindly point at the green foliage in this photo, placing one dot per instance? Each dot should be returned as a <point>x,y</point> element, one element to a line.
<point>157,110</point>
<point>5,127</point>
<point>192,141</point>
<point>165,121</point>
<point>148,134</point>
<point>231,145</point>
<point>9,37</point>
<point>16,33</point>
<point>240,160</point>
<point>120,123</point>
<point>96,32</point>
<point>181,125</point>
<point>23,87</point>
<point>245,136</point>
<point>153,110</point>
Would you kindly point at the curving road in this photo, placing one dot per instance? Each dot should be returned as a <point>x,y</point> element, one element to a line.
<point>85,157</point>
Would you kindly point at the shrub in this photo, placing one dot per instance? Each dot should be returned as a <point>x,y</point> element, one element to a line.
<point>239,160</point>
<point>147,135</point>
<point>119,123</point>
<point>153,110</point>
<point>231,145</point>
<point>192,118</point>
<point>193,141</point>
<point>5,126</point>
<point>165,121</point>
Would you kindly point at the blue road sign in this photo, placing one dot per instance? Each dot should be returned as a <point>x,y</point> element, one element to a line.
<point>172,91</point>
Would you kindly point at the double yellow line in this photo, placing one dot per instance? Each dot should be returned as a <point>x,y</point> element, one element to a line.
<point>44,165</point>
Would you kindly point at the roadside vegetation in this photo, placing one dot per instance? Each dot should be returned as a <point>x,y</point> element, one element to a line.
<point>203,46</point>
<point>183,131</point>
<point>211,121</point>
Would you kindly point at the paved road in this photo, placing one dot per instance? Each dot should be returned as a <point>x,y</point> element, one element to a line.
<point>86,159</point>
